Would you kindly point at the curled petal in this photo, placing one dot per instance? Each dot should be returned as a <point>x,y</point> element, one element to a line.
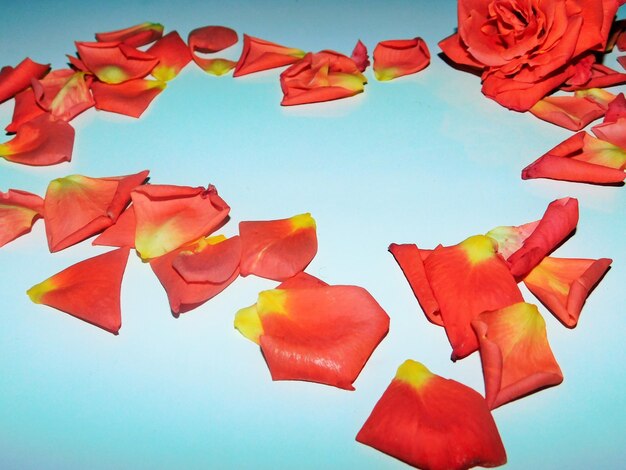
<point>89,290</point>
<point>130,98</point>
<point>453,48</point>
<point>563,284</point>
<point>515,354</point>
<point>211,39</point>
<point>14,80</point>
<point>209,262</point>
<point>64,93</point>
<point>431,422</point>
<point>173,55</point>
<point>570,112</point>
<point>39,142</point>
<point>258,54</point>
<point>395,58</point>
<point>277,249</point>
<point>360,57</point>
<point>18,212</point>
<point>115,62</point>
<point>509,239</point>
<point>612,132</point>
<point>134,36</point>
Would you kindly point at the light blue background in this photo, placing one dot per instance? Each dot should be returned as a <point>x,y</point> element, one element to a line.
<point>425,159</point>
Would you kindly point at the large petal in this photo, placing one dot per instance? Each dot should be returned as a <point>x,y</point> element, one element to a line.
<point>135,36</point>
<point>399,57</point>
<point>18,212</point>
<point>258,54</point>
<point>130,98</point>
<point>115,62</point>
<point>14,80</point>
<point>89,290</point>
<point>173,55</point>
<point>433,423</point>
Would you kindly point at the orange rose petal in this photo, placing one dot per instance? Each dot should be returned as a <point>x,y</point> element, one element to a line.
<point>170,216</point>
<point>410,260</point>
<point>211,39</point>
<point>121,233</point>
<point>77,207</point>
<point>277,249</point>
<point>89,290</point>
<point>563,284</point>
<point>130,98</point>
<point>467,279</point>
<point>320,334</point>
<point>300,281</point>
<point>18,212</point>
<point>515,354</point>
<point>558,221</point>
<point>209,262</point>
<point>258,55</point>
<point>457,53</point>
<point>115,62</point>
<point>39,142</point>
<point>600,76</point>
<point>570,112</point>
<point>64,93</point>
<point>135,36</point>
<point>173,55</point>
<point>77,64</point>
<point>509,239</point>
<point>14,80</point>
<point>360,57</point>
<point>616,109</point>
<point>431,422</point>
<point>612,132</point>
<point>184,296</point>
<point>399,57</point>
<point>25,109</point>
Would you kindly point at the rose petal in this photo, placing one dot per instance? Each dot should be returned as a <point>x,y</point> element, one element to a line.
<point>25,109</point>
<point>396,58</point>
<point>258,54</point>
<point>209,262</point>
<point>19,210</point>
<point>570,112</point>
<point>612,132</point>
<point>431,422</point>
<point>121,233</point>
<point>211,39</point>
<point>134,36</point>
<point>89,290</point>
<point>131,98</point>
<point>509,239</point>
<point>360,57</point>
<point>14,80</point>
<point>64,93</point>
<point>173,55</point>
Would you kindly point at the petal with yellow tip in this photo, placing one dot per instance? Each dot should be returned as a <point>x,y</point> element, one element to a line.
<point>258,55</point>
<point>173,55</point>
<point>115,62</point>
<point>211,39</point>
<point>398,57</point>
<point>18,212</point>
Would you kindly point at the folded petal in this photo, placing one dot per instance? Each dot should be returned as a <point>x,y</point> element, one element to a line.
<point>467,279</point>
<point>39,142</point>
<point>173,55</point>
<point>509,239</point>
<point>115,62</point>
<point>431,422</point>
<point>258,54</point>
<point>208,40</point>
<point>277,249</point>
<point>14,80</point>
<point>18,212</point>
<point>25,109</point>
<point>515,354</point>
<point>395,58</point>
<point>359,56</point>
<point>570,112</point>
<point>130,98</point>
<point>64,93</point>
<point>77,207</point>
<point>121,233</point>
<point>410,258</point>
<point>612,132</point>
<point>209,262</point>
<point>170,216</point>
<point>557,223</point>
<point>563,284</point>
<point>457,53</point>
<point>616,109</point>
<point>134,36</point>
<point>184,296</point>
<point>89,290</point>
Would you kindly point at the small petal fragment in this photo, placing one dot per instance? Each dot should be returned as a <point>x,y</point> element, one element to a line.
<point>433,423</point>
<point>563,284</point>
<point>89,290</point>
<point>211,39</point>
<point>399,57</point>
<point>515,354</point>
<point>14,80</point>
<point>277,249</point>
<point>18,212</point>
<point>258,54</point>
<point>173,55</point>
<point>170,216</point>
<point>135,36</point>
<point>130,98</point>
<point>360,57</point>
<point>612,132</point>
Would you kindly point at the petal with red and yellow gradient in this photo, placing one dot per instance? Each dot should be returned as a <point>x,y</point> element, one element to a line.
<point>19,210</point>
<point>556,224</point>
<point>121,233</point>
<point>398,57</point>
<point>64,93</point>
<point>209,40</point>
<point>89,290</point>
<point>431,422</point>
<point>411,261</point>
<point>115,62</point>
<point>14,80</point>
<point>320,334</point>
<point>277,249</point>
<point>360,57</point>
<point>563,284</point>
<point>184,296</point>
<point>467,279</point>
<point>25,109</point>
<point>581,158</point>
<point>134,36</point>
<point>515,354</point>
<point>77,207</point>
<point>170,216</point>
<point>130,98</point>
<point>258,55</point>
<point>510,238</point>
<point>613,132</point>
<point>173,55</point>
<point>41,141</point>
<point>570,112</point>
<point>209,262</point>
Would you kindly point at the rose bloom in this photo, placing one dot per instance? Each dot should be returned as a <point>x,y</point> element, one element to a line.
<point>527,48</point>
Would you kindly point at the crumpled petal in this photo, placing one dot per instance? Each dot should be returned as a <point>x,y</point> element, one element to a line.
<point>570,112</point>
<point>184,296</point>
<point>169,216</point>
<point>89,290</point>
<point>258,55</point>
<point>563,284</point>
<point>64,93</point>
<point>19,210</point>
<point>515,354</point>
<point>173,55</point>
<point>14,80</point>
<point>211,39</point>
<point>134,36</point>
<point>360,57</point>
<point>121,233</point>
<point>77,207</point>
<point>277,249</point>
<point>209,262</point>
<point>399,57</point>
<point>431,422</point>
<point>39,142</point>
<point>130,98</point>
<point>612,132</point>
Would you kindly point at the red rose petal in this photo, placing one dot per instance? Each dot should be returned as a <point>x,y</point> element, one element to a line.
<point>18,212</point>
<point>209,262</point>
<point>135,36</point>
<point>360,57</point>
<point>570,112</point>
<point>399,57</point>
<point>258,54</point>
<point>115,62</point>
<point>130,98</point>
<point>64,93</point>
<point>211,39</point>
<point>25,109</point>
<point>173,55</point>
<point>14,80</point>
<point>121,233</point>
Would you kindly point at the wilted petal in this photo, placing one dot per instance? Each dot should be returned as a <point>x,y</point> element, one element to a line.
<point>14,80</point>
<point>431,422</point>
<point>395,58</point>
<point>135,36</point>
<point>360,57</point>
<point>173,55</point>
<point>130,98</point>
<point>18,212</point>
<point>115,62</point>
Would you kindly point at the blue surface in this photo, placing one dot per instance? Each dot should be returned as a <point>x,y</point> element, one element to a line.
<point>424,159</point>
